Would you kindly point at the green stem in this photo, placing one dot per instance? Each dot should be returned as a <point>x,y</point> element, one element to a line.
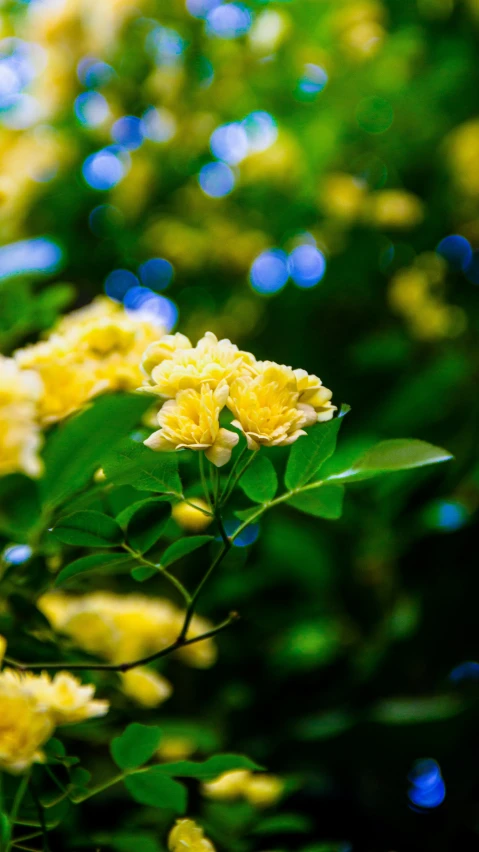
<point>99,788</point>
<point>41,817</point>
<point>227,489</point>
<point>204,481</point>
<point>21,790</point>
<point>159,568</point>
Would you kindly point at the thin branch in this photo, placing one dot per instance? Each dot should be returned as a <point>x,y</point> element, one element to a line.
<point>181,642</point>
<point>41,816</point>
<point>204,482</point>
<point>21,790</point>
<point>231,481</point>
<point>160,570</point>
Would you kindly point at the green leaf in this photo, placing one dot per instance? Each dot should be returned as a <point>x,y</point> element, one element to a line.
<point>137,465</point>
<point>135,746</point>
<point>310,452</point>
<point>88,529</point>
<point>78,447</point>
<point>325,501</point>
<point>110,562</point>
<point>285,823</point>
<point>210,768</point>
<point>153,787</point>
<point>260,482</point>
<point>140,841</point>
<point>390,456</point>
<point>144,522</point>
<point>182,547</point>
<point>143,572</point>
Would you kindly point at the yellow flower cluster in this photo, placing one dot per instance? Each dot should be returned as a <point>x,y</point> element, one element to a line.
<point>125,628</point>
<point>187,836</point>
<point>260,790</point>
<point>20,438</point>
<point>417,294</point>
<point>31,706</point>
<point>271,403</point>
<point>346,199</point>
<point>91,351</point>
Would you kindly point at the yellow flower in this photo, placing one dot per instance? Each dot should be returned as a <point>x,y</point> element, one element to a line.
<point>68,381</point>
<point>394,208</point>
<point>146,687</point>
<point>24,724</point>
<point>342,196</point>
<point>91,351</point>
<point>228,786</point>
<point>125,628</point>
<point>67,700</point>
<point>20,438</point>
<point>176,748</point>
<point>161,350</point>
<point>267,408</point>
<point>262,791</point>
<point>211,362</point>
<point>187,836</point>
<point>189,518</point>
<point>312,392</point>
<point>3,648</point>
<point>191,421</point>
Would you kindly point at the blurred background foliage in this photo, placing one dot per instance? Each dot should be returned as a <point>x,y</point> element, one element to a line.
<point>302,177</point>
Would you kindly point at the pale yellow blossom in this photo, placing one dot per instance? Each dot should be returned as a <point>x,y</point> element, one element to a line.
<point>25,726</point>
<point>67,700</point>
<point>161,350</point>
<point>267,407</point>
<point>93,350</point>
<point>262,791</point>
<point>187,836</point>
<point>191,421</point>
<point>146,687</point>
<point>312,392</point>
<point>228,786</point>
<point>210,362</point>
<point>20,438</point>
<point>190,518</point>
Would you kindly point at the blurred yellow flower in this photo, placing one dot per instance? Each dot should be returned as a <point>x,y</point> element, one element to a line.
<point>394,208</point>
<point>91,351</point>
<point>263,791</point>
<point>125,628</point>
<point>189,518</point>
<point>341,196</point>
<point>187,836</point>
<point>176,748</point>
<point>3,648</point>
<point>260,790</point>
<point>20,438</point>
<point>228,786</point>
<point>267,408</point>
<point>191,421</point>
<point>67,700</point>
<point>25,725</point>
<point>146,687</point>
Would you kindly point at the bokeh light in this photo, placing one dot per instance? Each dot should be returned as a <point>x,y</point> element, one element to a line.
<point>91,109</point>
<point>446,515</point>
<point>229,20</point>
<point>229,143</point>
<point>17,554</point>
<point>465,671</point>
<point>456,250</point>
<point>104,169</point>
<point>427,786</point>
<point>247,537</point>
<point>216,180</point>
<point>307,266</point>
<point>118,282</point>
<point>94,73</point>
<point>158,125</point>
<point>144,303</point>
<point>261,130</point>
<point>269,272</point>
<point>313,81</point>
<point>156,273</point>
<point>39,255</point>
<point>127,132</point>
